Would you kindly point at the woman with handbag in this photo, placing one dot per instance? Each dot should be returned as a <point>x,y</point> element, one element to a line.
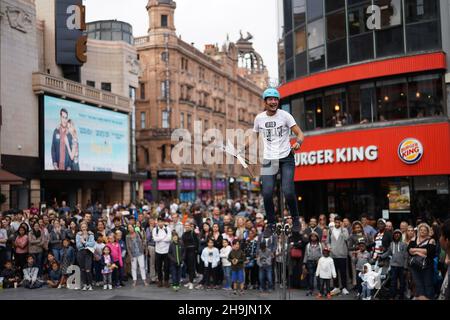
<point>422,251</point>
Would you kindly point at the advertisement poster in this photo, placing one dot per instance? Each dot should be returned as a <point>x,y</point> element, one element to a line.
<point>399,198</point>
<point>79,137</point>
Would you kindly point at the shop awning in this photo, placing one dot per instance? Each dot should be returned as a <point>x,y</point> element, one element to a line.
<point>9,178</point>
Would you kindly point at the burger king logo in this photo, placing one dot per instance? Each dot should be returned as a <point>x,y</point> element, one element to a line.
<point>410,151</point>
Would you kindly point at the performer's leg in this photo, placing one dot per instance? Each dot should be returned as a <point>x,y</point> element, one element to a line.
<point>268,185</point>
<point>287,166</point>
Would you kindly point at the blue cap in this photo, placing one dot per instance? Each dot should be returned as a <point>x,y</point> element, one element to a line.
<point>271,93</point>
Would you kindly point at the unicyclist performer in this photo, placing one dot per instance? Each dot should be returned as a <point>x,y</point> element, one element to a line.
<point>275,124</point>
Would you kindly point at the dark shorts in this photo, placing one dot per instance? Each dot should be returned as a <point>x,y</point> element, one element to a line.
<point>237,276</point>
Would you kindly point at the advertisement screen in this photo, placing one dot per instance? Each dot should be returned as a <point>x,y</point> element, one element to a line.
<point>78,137</point>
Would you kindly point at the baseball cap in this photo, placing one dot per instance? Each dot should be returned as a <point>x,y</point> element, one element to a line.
<point>260,215</point>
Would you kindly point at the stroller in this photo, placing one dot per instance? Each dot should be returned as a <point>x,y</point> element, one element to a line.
<point>382,281</point>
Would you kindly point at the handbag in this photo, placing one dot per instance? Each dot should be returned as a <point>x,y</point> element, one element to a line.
<point>296,253</point>
<point>418,262</point>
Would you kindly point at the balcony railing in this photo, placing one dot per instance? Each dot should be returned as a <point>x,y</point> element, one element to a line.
<point>140,40</point>
<point>43,82</point>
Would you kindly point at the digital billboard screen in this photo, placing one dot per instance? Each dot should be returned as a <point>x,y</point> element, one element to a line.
<point>79,137</point>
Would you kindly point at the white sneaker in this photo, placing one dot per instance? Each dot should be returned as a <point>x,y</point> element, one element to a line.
<point>345,291</point>
<point>190,286</point>
<point>335,291</point>
<point>105,287</point>
<point>59,287</point>
<point>110,286</point>
<point>90,288</point>
<point>84,288</point>
<point>186,285</point>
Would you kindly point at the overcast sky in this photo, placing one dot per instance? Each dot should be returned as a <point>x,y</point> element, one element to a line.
<point>204,21</point>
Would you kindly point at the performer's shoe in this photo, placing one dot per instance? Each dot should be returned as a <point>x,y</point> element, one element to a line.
<point>287,229</point>
<point>279,229</point>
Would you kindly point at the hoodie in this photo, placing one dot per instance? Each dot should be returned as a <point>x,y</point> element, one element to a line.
<point>325,268</point>
<point>313,252</point>
<point>398,252</point>
<point>369,278</point>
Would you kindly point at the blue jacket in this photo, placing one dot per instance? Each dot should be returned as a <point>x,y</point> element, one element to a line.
<point>55,149</point>
<point>90,243</point>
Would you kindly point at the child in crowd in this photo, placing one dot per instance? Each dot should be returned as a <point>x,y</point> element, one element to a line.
<point>107,268</point>
<point>210,257</point>
<point>398,252</point>
<point>98,251</point>
<point>362,257</point>
<point>264,260</point>
<point>67,259</point>
<point>368,281</point>
<point>176,257</point>
<point>9,275</point>
<point>226,264</point>
<point>237,258</point>
<point>30,275</point>
<point>54,276</point>
<point>313,252</point>
<point>48,265</point>
<point>116,255</point>
<point>325,271</point>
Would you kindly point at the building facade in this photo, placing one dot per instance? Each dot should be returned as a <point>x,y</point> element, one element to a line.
<point>180,86</point>
<point>368,83</point>
<point>35,80</point>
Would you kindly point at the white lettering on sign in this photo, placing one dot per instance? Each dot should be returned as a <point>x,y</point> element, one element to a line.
<point>328,156</point>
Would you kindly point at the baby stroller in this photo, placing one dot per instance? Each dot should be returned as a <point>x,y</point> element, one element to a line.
<point>382,281</point>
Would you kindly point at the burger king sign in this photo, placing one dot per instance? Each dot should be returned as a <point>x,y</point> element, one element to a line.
<point>410,151</point>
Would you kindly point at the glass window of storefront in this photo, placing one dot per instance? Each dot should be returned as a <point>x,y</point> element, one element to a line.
<point>299,9</point>
<point>406,25</point>
<point>365,102</point>
<point>425,96</point>
<point>392,100</point>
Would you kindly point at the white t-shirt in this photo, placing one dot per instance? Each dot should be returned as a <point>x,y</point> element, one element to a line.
<point>275,131</point>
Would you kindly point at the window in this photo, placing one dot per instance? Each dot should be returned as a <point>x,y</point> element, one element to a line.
<point>334,109</point>
<point>288,45</point>
<point>423,36</point>
<point>106,86</point>
<point>299,9</point>
<point>182,120</point>
<point>165,119</point>
<point>163,20</point>
<point>391,12</point>
<point>361,102</point>
<point>357,18</point>
<point>315,9</point>
<point>143,120</point>
<point>290,69</point>
<point>189,121</point>
<point>421,10</point>
<point>390,41</point>
<point>116,36</point>
<point>361,47</point>
<point>336,39</point>
<point>425,96</point>
<point>132,93</point>
<point>316,34</point>
<point>164,56</point>
<point>142,90</point>
<point>287,8</point>
<point>206,124</point>
<point>298,111</point>
<point>301,66</point>
<point>316,59</point>
<point>313,112</point>
<point>337,53</point>
<point>90,83</point>
<point>332,5</point>
<point>165,89</point>
<point>300,40</point>
<point>392,99</point>
<point>336,26</point>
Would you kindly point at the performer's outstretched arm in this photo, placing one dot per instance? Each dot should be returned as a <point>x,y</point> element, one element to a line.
<point>300,136</point>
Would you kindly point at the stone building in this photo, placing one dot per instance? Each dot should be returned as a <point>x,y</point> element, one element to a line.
<point>220,87</point>
<point>30,74</point>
